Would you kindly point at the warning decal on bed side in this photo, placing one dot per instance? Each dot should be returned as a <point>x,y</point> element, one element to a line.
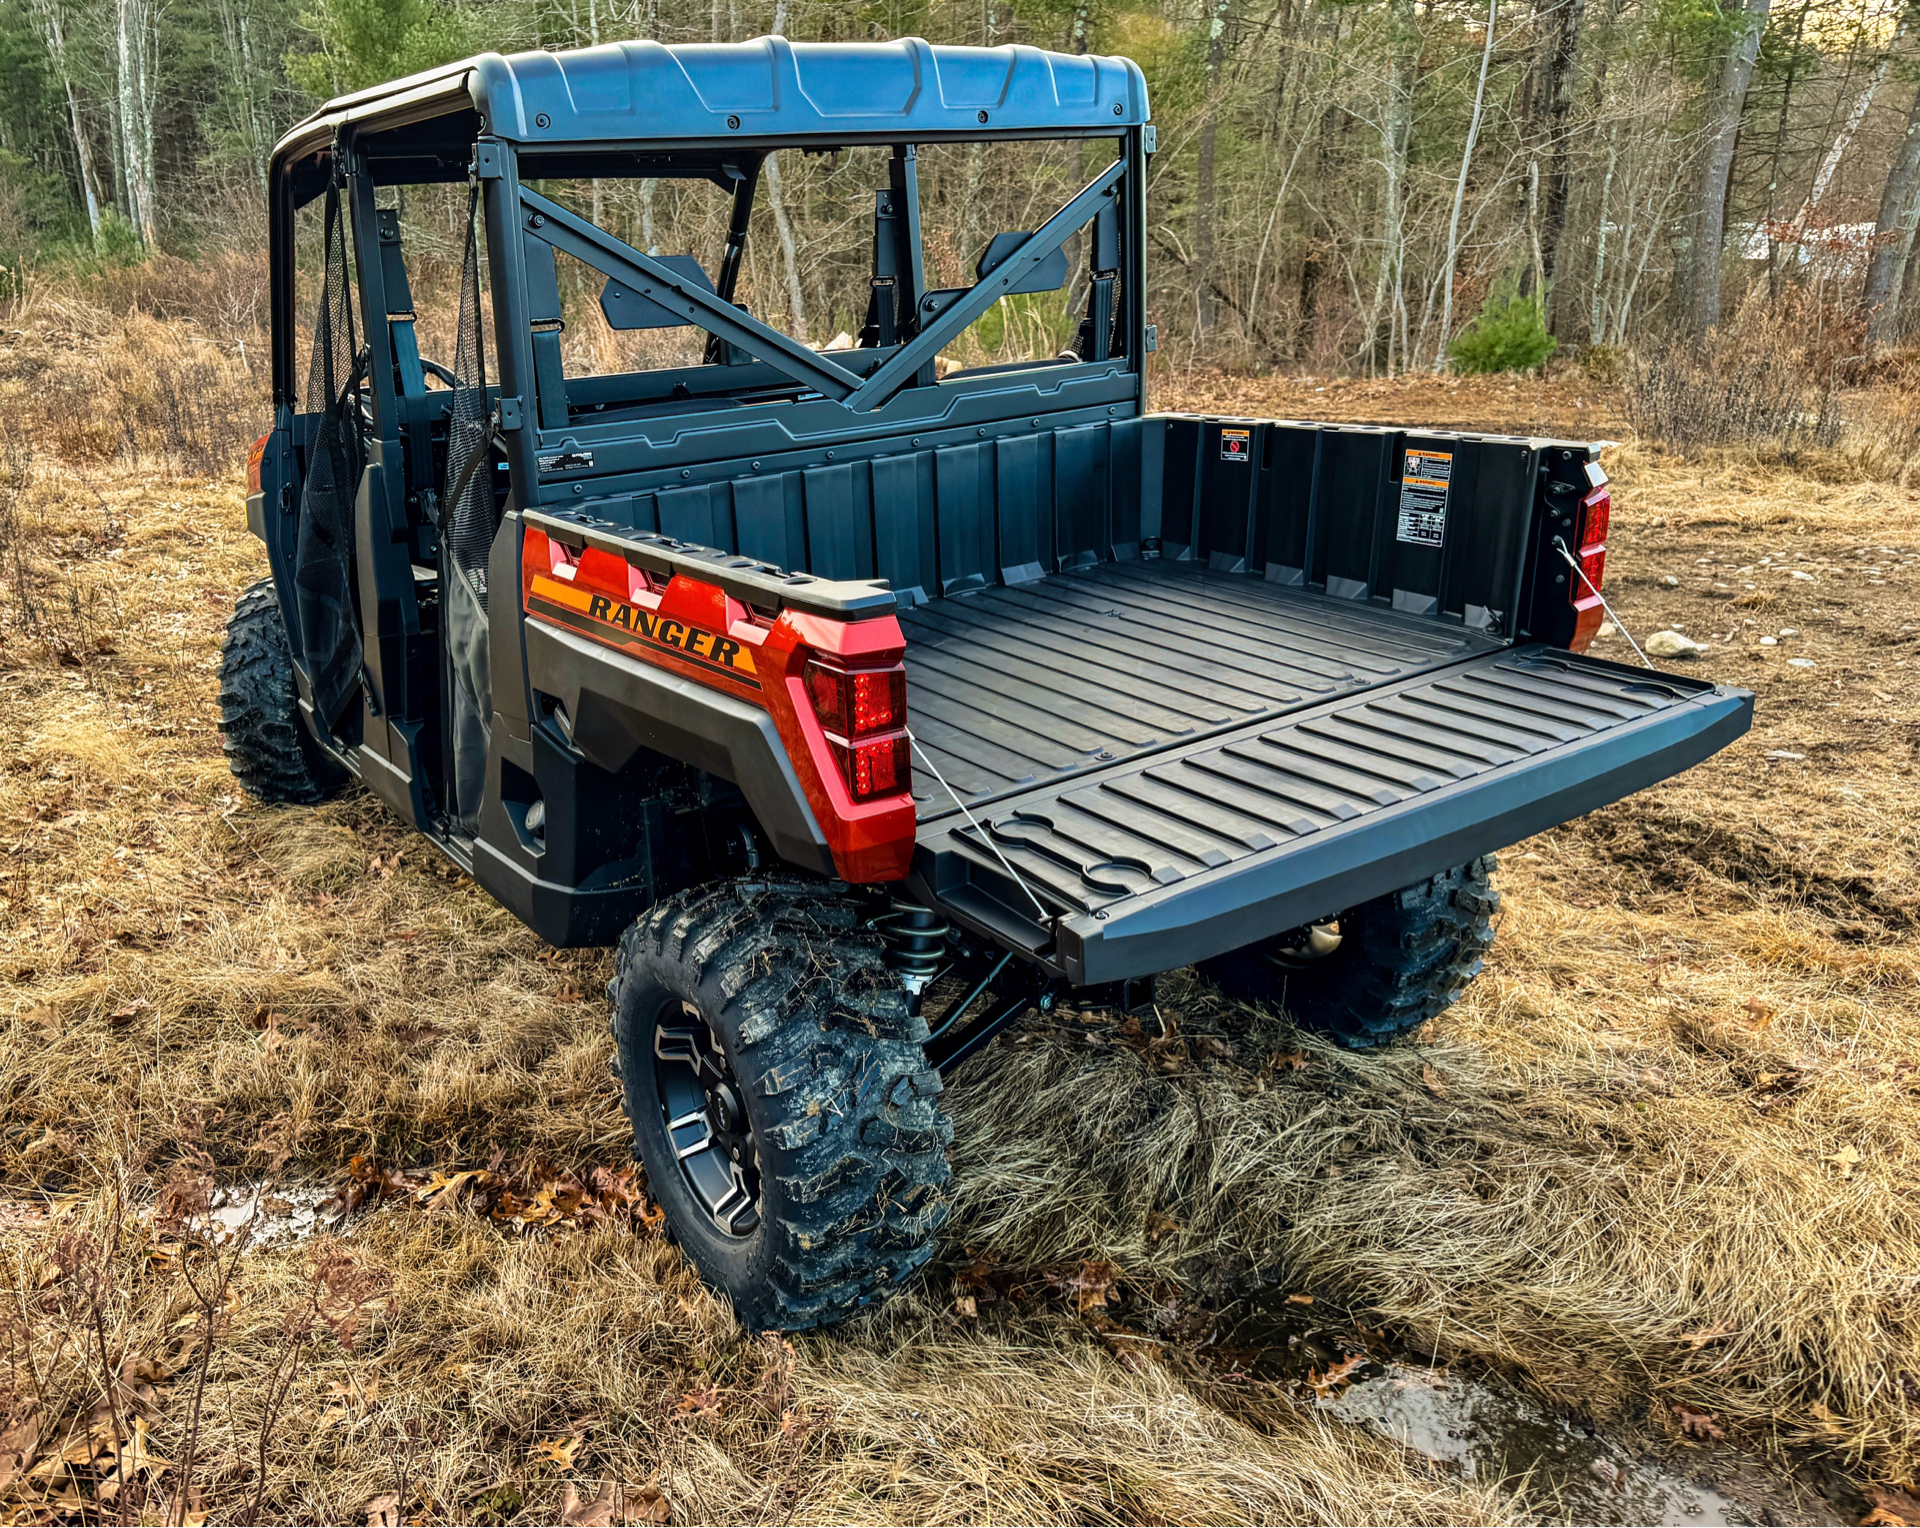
<point>1236,445</point>
<point>1423,497</point>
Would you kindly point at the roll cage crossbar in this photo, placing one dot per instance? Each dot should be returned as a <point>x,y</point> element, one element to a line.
<point>548,222</point>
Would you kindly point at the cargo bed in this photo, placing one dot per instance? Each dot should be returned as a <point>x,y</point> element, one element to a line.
<point>1026,684</point>
<point>1177,761</point>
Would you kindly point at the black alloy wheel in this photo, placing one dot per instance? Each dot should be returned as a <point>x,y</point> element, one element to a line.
<point>705,1117</point>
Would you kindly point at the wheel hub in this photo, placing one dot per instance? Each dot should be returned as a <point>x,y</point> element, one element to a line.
<point>706,1119</point>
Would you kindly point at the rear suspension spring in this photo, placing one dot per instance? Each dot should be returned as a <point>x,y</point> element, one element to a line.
<point>916,938</point>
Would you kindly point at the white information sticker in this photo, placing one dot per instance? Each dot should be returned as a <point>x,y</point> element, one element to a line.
<point>1423,497</point>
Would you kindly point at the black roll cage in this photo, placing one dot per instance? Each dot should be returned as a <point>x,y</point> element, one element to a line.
<point>865,385</point>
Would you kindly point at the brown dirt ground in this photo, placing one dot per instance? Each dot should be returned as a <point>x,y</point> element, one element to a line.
<point>1662,1160</point>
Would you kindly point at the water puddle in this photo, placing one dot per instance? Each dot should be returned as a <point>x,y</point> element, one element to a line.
<point>1491,1436</point>
<point>267,1214</point>
<point>1487,1431</point>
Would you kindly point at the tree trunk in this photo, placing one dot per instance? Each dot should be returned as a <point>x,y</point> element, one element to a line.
<point>1893,233</point>
<point>1716,168</point>
<point>1460,189</point>
<point>1203,195</point>
<point>776,203</point>
<point>1563,57</point>
<point>53,28</point>
<point>1396,129</point>
<point>1078,39</point>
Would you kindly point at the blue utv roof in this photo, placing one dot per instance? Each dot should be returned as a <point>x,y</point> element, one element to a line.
<point>647,92</point>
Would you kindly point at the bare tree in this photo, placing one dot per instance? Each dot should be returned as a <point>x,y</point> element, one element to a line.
<point>1460,188</point>
<point>1562,59</point>
<point>1893,233</point>
<point>1716,164</point>
<point>1203,200</point>
<point>53,27</point>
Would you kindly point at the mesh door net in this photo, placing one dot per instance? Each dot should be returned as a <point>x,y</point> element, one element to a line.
<point>323,560</point>
<point>469,523</point>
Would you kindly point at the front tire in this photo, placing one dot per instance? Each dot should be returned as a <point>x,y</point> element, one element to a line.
<point>780,1098</point>
<point>1380,970</point>
<point>268,748</point>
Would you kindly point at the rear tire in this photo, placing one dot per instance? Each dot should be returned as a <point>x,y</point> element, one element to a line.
<point>1399,960</point>
<point>268,747</point>
<point>780,1098</point>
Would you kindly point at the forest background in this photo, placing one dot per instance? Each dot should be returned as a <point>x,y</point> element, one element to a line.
<point>1342,185</point>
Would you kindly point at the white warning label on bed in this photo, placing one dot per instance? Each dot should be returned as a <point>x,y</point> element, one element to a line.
<point>1423,497</point>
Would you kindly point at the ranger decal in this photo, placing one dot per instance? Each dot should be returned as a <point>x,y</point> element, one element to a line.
<point>695,642</point>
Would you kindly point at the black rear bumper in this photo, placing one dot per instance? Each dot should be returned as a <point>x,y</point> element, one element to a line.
<point>1173,857</point>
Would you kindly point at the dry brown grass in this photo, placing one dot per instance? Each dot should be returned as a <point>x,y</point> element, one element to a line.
<point>1667,1150</point>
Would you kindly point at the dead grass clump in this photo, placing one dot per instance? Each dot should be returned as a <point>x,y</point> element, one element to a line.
<point>469,1375</point>
<point>1734,389</point>
<point>45,604</point>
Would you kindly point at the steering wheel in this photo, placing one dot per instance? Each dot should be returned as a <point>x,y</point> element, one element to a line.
<point>445,374</point>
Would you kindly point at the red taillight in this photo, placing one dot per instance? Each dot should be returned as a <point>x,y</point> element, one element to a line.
<point>1596,512</point>
<point>255,453</point>
<point>853,705</point>
<point>881,768</point>
<point>858,703</point>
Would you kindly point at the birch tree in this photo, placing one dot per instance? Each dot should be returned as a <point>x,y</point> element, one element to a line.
<point>53,27</point>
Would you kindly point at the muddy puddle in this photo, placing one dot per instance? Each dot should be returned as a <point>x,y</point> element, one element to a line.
<point>1488,1431</point>
<point>268,1215</point>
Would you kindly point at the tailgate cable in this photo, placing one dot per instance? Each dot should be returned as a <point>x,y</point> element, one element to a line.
<point>985,837</point>
<point>1561,547</point>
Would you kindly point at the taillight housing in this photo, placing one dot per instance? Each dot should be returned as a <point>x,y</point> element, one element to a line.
<point>1596,514</point>
<point>864,715</point>
<point>255,454</point>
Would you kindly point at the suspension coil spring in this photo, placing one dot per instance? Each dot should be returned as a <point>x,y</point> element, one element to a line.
<point>916,938</point>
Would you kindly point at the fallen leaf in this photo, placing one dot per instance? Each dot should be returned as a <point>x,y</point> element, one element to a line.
<point>120,1018</point>
<point>1892,1508</point>
<point>47,1017</point>
<point>1159,1225</point>
<point>1846,1159</point>
<point>17,1445</point>
<point>1432,1079</point>
<point>1718,1332</point>
<point>597,1513</point>
<point>1299,1299</point>
<point>701,1402</point>
<point>1761,1014</point>
<point>559,1451</point>
<point>1697,1424</point>
<point>1287,1061</point>
<point>384,1512</point>
<point>649,1505</point>
<point>566,992</point>
<point>1091,1285</point>
<point>1336,1375</point>
<point>966,1305</point>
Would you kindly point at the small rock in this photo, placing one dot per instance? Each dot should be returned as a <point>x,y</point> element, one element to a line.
<point>1804,577</point>
<point>1607,629</point>
<point>1784,757</point>
<point>1800,663</point>
<point>1769,641</point>
<point>1789,631</point>
<point>1671,582</point>
<point>1671,644</point>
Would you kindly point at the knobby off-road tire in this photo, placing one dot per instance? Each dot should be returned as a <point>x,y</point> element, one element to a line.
<point>1401,960</point>
<point>767,999</point>
<point>268,749</point>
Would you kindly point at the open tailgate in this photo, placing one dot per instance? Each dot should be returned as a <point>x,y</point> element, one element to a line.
<point>1186,853</point>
